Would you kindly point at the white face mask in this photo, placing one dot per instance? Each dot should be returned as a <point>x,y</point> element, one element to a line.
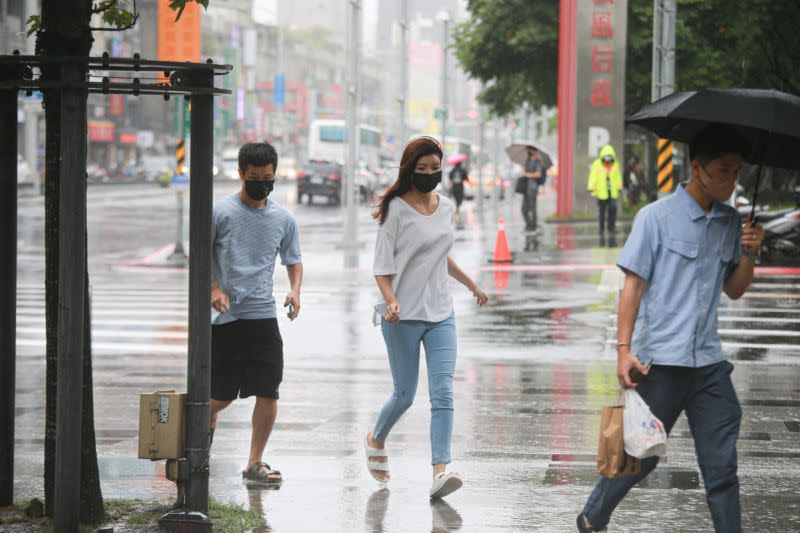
<point>718,189</point>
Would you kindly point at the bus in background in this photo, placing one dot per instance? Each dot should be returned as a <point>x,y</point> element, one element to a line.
<point>326,142</point>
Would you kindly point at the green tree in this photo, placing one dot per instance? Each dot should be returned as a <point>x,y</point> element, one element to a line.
<point>512,47</point>
<point>64,29</point>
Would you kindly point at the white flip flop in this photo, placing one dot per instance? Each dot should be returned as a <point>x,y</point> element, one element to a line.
<point>375,466</point>
<point>444,484</point>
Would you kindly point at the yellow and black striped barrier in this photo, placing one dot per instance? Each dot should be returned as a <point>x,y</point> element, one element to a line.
<point>666,180</point>
<point>180,155</point>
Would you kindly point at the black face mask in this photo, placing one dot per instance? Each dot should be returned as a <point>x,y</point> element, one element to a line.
<point>426,182</point>
<point>258,190</point>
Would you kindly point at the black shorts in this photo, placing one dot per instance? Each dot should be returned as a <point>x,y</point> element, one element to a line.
<point>246,359</point>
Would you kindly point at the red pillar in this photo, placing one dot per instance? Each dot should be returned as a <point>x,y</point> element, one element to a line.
<point>567,76</point>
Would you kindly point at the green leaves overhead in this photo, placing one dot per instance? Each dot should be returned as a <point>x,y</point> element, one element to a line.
<point>180,5</point>
<point>512,46</point>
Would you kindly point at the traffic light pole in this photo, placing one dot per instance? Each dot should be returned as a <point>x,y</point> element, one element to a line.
<point>182,126</point>
<point>445,18</point>
<point>665,14</point>
<point>403,100</point>
<point>349,186</point>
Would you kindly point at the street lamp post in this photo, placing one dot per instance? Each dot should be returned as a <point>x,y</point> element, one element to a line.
<point>481,151</point>
<point>403,99</point>
<point>444,18</point>
<point>496,167</point>
<point>349,185</point>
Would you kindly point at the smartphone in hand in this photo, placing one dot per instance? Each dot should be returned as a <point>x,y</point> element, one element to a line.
<point>291,311</point>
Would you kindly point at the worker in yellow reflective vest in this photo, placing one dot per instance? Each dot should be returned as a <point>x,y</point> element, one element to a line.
<point>605,184</point>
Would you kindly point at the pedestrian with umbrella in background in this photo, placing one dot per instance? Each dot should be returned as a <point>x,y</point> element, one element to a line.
<point>683,252</point>
<point>534,163</point>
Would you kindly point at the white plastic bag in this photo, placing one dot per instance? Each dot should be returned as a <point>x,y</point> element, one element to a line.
<point>644,434</point>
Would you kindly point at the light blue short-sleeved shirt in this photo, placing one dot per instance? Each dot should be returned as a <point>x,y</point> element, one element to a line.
<point>685,256</point>
<point>245,246</point>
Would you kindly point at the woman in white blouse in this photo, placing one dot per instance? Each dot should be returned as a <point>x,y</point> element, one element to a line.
<point>412,266</point>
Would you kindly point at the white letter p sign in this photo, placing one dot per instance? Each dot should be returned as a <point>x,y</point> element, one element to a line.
<point>598,137</point>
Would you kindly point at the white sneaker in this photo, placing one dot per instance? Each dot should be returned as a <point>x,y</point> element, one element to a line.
<point>444,484</point>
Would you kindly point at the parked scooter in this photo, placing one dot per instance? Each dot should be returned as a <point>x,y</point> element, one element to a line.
<point>781,230</point>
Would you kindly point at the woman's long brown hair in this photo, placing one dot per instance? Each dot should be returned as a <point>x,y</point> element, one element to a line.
<point>414,151</point>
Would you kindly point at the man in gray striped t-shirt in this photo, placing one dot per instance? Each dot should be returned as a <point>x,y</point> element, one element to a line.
<point>249,231</point>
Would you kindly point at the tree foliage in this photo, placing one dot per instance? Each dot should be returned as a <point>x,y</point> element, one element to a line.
<point>512,46</point>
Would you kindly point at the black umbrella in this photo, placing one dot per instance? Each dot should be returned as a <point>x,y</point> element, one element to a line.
<point>768,119</point>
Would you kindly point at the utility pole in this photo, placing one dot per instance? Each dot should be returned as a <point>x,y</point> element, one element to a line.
<point>496,168</point>
<point>444,18</point>
<point>665,14</point>
<point>199,368</point>
<point>282,123</point>
<point>349,203</point>
<point>33,110</point>
<point>481,159</point>
<point>526,109</point>
<point>402,135</point>
<point>664,21</point>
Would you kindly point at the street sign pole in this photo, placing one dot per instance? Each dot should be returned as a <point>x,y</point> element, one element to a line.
<point>349,189</point>
<point>199,368</point>
<point>481,159</point>
<point>496,168</point>
<point>402,135</point>
<point>445,18</point>
<point>179,179</point>
<point>663,79</point>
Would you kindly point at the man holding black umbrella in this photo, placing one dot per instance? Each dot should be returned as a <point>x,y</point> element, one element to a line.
<point>682,253</point>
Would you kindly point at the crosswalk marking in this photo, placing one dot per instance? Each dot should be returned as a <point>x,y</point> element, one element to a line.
<point>761,346</point>
<point>759,332</point>
<point>39,311</point>
<point>762,285</point>
<point>116,347</point>
<point>116,333</point>
<point>151,320</point>
<point>771,320</point>
<point>754,324</point>
<point>39,319</point>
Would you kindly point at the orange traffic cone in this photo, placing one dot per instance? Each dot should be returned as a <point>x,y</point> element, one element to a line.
<point>501,252</point>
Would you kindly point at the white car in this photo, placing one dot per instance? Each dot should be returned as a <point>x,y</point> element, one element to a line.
<point>230,164</point>
<point>287,168</point>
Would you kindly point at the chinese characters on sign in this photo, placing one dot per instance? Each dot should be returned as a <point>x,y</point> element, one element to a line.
<point>602,56</point>
<point>601,32</point>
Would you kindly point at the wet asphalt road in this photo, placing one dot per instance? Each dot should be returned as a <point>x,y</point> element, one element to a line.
<point>534,368</point>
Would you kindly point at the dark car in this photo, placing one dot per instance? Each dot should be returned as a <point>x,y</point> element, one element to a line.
<point>320,178</point>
